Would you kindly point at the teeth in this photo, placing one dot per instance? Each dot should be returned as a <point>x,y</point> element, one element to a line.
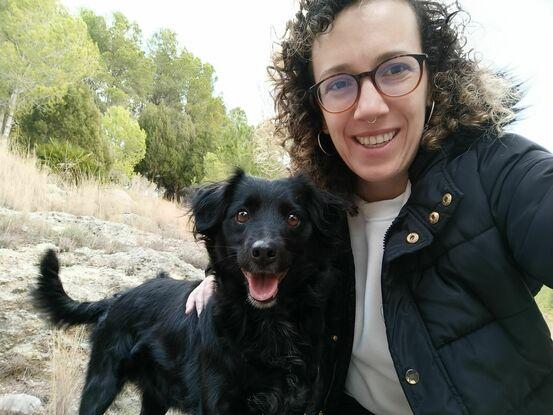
<point>376,139</point>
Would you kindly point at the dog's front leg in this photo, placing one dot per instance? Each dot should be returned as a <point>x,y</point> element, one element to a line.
<point>219,386</point>
<point>151,405</point>
<point>212,402</point>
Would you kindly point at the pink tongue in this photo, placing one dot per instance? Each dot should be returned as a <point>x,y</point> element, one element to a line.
<point>262,286</point>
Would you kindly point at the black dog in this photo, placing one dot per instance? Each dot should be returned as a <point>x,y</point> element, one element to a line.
<point>257,347</point>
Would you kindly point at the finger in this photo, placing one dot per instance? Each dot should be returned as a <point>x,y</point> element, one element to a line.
<point>204,297</point>
<point>190,302</point>
<point>204,293</point>
<point>193,299</point>
<point>199,304</point>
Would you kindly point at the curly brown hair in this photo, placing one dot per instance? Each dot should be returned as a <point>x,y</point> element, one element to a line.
<point>466,95</point>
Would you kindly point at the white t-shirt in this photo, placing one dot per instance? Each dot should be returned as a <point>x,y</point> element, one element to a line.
<point>372,379</point>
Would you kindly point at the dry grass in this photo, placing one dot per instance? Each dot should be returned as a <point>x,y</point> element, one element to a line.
<point>16,366</point>
<point>17,228</point>
<point>24,187</point>
<point>75,236</point>
<point>67,361</point>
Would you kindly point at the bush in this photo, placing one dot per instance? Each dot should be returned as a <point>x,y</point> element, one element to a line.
<point>69,161</point>
<point>73,122</point>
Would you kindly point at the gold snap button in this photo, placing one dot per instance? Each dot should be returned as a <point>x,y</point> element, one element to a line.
<point>433,218</point>
<point>412,377</point>
<point>446,199</point>
<point>334,338</point>
<point>413,238</point>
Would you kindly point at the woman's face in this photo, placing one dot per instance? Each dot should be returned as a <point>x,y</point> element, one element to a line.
<point>360,38</point>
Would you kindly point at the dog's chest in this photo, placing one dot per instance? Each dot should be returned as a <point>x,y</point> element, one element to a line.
<point>273,373</point>
<point>275,387</point>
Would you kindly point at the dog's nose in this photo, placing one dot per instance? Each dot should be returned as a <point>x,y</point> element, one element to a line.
<point>263,251</point>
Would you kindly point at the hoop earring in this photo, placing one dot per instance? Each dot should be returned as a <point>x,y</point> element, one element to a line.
<point>321,146</point>
<point>430,115</point>
<point>373,121</point>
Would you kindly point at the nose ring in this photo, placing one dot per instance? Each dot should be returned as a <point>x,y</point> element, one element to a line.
<point>373,121</point>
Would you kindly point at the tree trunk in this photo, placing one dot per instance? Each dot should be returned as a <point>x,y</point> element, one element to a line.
<point>2,118</point>
<point>8,118</point>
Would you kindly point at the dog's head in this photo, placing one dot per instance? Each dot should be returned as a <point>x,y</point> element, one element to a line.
<point>267,233</point>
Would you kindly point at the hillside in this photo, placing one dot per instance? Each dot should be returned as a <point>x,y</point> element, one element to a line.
<point>109,239</point>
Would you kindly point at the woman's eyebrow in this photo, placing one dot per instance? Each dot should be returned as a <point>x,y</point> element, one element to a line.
<point>344,67</point>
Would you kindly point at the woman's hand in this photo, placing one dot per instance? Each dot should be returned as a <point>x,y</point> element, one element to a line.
<point>199,297</point>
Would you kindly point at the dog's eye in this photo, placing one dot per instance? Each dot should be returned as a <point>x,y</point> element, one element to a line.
<point>242,216</point>
<point>292,220</point>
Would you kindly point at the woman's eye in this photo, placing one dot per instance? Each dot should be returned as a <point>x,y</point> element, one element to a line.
<point>396,69</point>
<point>340,83</point>
<point>242,216</point>
<point>293,220</point>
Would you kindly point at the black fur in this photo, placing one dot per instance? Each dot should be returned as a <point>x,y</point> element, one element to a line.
<point>241,356</point>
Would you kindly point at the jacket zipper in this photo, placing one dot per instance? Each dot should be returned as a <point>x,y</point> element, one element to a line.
<point>332,379</point>
<point>335,366</point>
<point>401,213</point>
<point>330,385</point>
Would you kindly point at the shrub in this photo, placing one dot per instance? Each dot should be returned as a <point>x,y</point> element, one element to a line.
<point>71,162</point>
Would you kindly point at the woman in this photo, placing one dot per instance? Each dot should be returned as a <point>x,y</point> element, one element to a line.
<point>451,219</point>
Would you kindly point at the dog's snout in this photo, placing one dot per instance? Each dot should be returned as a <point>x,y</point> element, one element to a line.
<point>263,251</point>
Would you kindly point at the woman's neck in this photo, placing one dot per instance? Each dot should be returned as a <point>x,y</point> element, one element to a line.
<point>376,191</point>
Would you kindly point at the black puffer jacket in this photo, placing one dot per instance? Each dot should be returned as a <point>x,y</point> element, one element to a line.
<point>461,264</point>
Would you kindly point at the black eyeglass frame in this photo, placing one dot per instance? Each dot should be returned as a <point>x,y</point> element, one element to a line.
<point>314,89</point>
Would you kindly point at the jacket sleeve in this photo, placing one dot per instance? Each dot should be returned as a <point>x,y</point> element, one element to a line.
<point>518,178</point>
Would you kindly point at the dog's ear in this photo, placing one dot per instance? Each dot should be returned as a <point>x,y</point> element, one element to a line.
<point>209,203</point>
<point>326,210</point>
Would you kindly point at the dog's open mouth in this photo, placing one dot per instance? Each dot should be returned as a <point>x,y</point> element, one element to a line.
<point>263,287</point>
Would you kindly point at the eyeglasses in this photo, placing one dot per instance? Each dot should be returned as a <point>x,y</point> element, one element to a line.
<point>395,77</point>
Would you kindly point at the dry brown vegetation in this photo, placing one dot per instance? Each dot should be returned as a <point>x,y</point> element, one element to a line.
<point>109,238</point>
<point>68,354</point>
<point>26,188</point>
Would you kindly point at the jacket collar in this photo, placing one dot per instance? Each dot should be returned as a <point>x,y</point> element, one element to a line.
<point>450,147</point>
<point>434,197</point>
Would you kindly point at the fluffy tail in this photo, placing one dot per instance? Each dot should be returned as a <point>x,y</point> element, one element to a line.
<point>50,297</point>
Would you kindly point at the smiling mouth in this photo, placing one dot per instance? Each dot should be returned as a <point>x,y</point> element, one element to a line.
<point>375,141</point>
<point>263,287</point>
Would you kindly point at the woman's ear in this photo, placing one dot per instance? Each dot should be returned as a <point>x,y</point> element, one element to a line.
<point>324,128</point>
<point>429,101</point>
<point>429,92</point>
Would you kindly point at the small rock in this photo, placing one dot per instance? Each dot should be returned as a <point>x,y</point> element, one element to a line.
<point>19,404</point>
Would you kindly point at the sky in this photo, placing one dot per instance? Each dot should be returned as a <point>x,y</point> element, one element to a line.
<point>237,38</point>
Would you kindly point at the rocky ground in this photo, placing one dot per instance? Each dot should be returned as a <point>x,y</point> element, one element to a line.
<point>98,258</point>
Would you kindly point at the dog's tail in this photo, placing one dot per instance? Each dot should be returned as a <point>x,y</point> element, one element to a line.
<point>50,297</point>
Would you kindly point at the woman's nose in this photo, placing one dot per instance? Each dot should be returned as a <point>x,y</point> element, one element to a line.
<point>370,104</point>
